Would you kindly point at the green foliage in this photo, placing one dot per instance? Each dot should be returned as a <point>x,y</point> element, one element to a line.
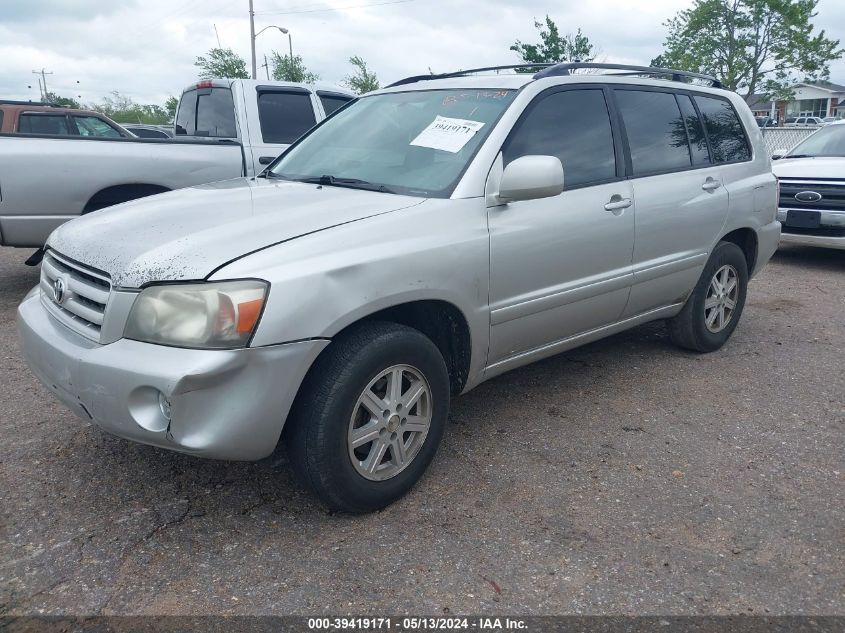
<point>170,106</point>
<point>753,46</point>
<point>124,110</point>
<point>554,48</point>
<point>65,102</point>
<point>362,79</point>
<point>286,68</point>
<point>221,63</point>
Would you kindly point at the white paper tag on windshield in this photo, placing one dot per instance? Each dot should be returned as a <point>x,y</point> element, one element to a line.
<point>449,135</point>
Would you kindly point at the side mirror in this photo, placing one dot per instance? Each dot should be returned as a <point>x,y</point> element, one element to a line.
<point>779,153</point>
<point>530,178</point>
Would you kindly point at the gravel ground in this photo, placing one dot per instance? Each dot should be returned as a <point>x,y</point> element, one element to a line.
<point>623,477</point>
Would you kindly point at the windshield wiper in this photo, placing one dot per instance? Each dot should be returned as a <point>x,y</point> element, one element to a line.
<point>351,183</point>
<point>799,156</point>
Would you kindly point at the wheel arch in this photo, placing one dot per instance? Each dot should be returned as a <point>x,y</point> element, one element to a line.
<point>439,320</point>
<point>746,239</point>
<point>115,194</point>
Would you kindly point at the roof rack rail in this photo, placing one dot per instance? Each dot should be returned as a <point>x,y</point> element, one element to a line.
<point>26,103</point>
<point>463,73</point>
<point>565,68</point>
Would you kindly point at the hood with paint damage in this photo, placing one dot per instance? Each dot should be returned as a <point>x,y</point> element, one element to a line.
<point>186,234</point>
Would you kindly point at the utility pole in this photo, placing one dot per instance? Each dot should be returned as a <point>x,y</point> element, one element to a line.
<point>252,37</point>
<point>43,83</point>
<point>266,67</point>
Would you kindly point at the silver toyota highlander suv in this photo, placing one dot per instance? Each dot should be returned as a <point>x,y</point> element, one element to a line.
<point>421,240</point>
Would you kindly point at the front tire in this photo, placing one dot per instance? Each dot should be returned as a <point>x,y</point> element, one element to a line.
<point>712,312</point>
<point>369,417</point>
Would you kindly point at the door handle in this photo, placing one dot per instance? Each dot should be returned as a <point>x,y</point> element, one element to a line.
<point>618,203</point>
<point>711,185</point>
<point>266,160</point>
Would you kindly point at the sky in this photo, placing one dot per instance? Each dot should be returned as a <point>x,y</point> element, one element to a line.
<point>145,49</point>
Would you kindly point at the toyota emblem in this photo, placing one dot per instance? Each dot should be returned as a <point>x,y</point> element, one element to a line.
<point>808,196</point>
<point>59,290</point>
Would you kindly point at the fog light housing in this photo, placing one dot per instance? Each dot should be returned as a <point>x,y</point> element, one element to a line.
<point>164,405</point>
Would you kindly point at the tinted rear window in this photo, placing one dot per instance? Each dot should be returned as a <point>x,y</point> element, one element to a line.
<point>284,116</point>
<point>695,131</point>
<point>657,136</point>
<point>727,136</point>
<point>332,102</point>
<point>43,124</point>
<point>574,126</point>
<point>207,112</point>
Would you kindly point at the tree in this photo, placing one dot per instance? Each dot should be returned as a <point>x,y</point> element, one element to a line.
<point>170,106</point>
<point>123,109</point>
<point>65,102</point>
<point>222,63</point>
<point>287,68</point>
<point>554,48</point>
<point>753,46</point>
<point>362,79</point>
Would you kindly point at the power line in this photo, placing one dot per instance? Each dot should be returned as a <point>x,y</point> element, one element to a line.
<point>357,6</point>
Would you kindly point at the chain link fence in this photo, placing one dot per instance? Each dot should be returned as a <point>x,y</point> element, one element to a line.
<point>784,137</point>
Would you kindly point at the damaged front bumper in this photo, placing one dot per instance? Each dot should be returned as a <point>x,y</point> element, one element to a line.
<point>224,404</point>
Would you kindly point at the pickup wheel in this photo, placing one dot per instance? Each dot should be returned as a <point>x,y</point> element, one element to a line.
<point>713,310</point>
<point>369,416</point>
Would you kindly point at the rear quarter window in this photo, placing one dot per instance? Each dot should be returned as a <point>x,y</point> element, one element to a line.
<point>284,115</point>
<point>724,129</point>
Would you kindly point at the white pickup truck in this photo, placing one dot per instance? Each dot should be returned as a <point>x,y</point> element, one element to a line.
<point>224,129</point>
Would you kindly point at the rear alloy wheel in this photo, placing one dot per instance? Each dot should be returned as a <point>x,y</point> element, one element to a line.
<point>369,416</point>
<point>720,303</point>
<point>713,309</point>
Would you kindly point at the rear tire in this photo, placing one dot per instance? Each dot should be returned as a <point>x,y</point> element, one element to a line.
<point>369,417</point>
<point>712,312</point>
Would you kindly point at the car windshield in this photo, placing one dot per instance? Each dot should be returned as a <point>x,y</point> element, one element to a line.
<point>828,141</point>
<point>416,143</point>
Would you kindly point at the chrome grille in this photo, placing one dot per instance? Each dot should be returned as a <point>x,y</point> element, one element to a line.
<point>74,294</point>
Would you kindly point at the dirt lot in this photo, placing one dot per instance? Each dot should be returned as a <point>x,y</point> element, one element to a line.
<point>623,477</point>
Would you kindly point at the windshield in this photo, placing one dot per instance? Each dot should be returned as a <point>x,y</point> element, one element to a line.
<point>415,143</point>
<point>828,141</point>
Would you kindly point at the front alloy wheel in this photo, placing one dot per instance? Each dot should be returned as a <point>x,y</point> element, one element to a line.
<point>390,422</point>
<point>369,416</point>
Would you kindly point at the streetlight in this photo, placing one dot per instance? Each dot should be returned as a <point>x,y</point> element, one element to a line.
<point>283,31</point>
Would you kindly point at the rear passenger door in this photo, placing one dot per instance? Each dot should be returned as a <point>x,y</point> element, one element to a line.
<point>681,202</point>
<point>561,266</point>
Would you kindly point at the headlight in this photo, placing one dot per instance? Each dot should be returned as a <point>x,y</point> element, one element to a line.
<point>216,315</point>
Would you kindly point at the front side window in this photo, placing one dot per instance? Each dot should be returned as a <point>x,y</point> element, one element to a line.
<point>727,136</point>
<point>416,143</point>
<point>657,136</point>
<point>573,125</point>
<point>92,126</point>
<point>52,124</point>
<point>284,116</point>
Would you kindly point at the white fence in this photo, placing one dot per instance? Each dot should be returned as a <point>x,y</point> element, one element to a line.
<point>784,137</point>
